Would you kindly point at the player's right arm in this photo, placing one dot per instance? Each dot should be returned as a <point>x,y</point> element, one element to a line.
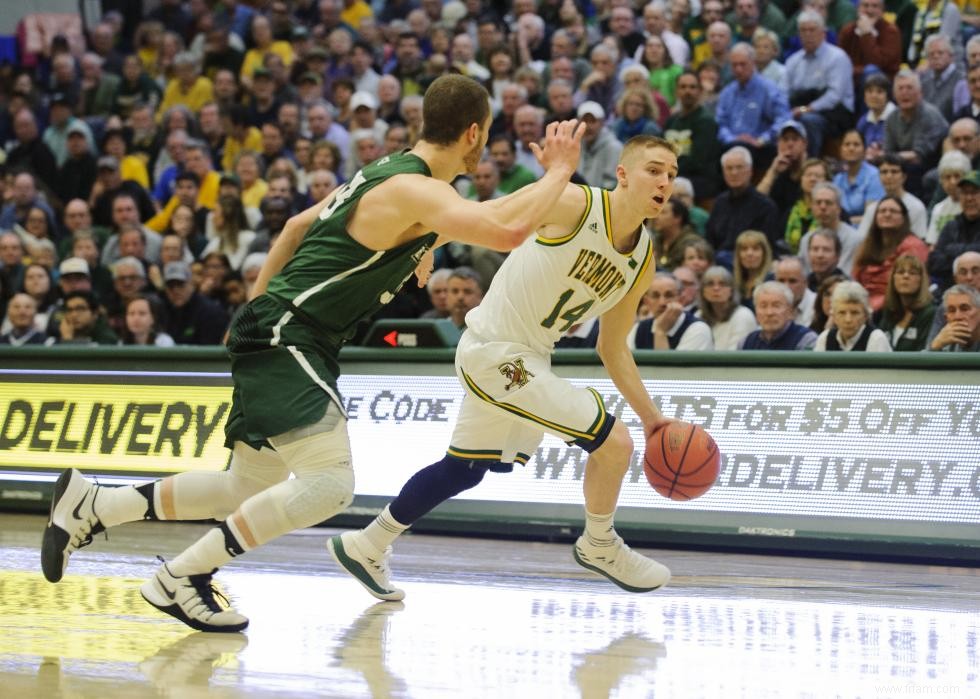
<point>504,223</point>
<point>285,246</point>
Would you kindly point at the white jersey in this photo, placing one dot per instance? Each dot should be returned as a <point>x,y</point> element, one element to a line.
<point>548,285</point>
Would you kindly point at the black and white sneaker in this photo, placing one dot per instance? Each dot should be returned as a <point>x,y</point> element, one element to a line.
<point>71,524</point>
<point>191,599</point>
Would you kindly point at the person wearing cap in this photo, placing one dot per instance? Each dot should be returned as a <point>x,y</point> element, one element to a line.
<point>309,85</point>
<point>959,236</point>
<point>73,275</point>
<point>62,119</point>
<point>600,149</point>
<point>262,105</point>
<point>264,43</point>
<point>21,314</point>
<point>363,106</point>
<point>750,108</point>
<point>781,183</point>
<point>188,87</point>
<point>77,173</point>
<point>192,319</point>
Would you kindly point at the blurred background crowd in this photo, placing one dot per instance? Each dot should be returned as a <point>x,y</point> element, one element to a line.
<point>828,197</point>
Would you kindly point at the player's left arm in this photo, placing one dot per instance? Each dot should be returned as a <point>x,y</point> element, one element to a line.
<point>614,327</point>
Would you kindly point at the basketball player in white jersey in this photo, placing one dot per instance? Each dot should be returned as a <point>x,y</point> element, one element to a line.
<point>591,258</point>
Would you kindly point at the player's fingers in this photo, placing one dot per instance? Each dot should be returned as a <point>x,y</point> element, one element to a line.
<point>579,131</point>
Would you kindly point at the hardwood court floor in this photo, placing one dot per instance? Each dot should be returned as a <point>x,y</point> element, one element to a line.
<point>485,619</point>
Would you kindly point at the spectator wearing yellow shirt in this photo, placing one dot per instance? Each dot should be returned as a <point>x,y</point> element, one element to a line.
<point>248,168</point>
<point>188,88</point>
<point>197,160</point>
<point>241,136</point>
<point>264,44</point>
<point>354,11</point>
<point>131,167</point>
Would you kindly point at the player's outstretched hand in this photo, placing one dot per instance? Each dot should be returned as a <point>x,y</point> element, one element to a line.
<point>562,142</point>
<point>424,268</point>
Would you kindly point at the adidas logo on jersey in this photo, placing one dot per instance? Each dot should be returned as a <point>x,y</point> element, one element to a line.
<point>594,227</point>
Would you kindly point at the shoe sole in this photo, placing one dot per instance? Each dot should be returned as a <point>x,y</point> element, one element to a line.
<point>176,612</point>
<point>620,583</point>
<point>336,547</point>
<point>55,539</point>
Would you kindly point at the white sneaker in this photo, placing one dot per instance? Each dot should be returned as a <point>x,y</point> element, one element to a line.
<point>71,524</point>
<point>191,600</point>
<point>622,565</point>
<point>355,554</point>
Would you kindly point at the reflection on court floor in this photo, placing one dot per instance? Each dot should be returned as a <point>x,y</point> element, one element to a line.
<point>485,619</point>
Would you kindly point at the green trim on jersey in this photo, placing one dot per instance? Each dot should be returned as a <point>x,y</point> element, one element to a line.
<point>552,242</point>
<point>646,262</point>
<point>593,428</point>
<point>520,412</point>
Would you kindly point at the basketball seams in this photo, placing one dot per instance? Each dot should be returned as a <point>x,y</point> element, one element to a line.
<point>679,483</point>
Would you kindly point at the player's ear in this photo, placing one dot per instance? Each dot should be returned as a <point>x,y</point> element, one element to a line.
<point>473,133</point>
<point>621,175</point>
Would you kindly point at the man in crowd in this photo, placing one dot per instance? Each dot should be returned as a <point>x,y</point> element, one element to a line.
<point>777,331</point>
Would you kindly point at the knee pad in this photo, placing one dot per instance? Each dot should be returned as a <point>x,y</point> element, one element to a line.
<point>319,497</point>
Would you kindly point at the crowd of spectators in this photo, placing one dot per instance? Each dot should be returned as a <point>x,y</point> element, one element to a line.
<point>828,197</point>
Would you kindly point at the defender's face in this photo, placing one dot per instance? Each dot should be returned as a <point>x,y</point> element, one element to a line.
<point>472,158</point>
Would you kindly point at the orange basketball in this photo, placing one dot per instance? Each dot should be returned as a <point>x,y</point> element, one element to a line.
<point>681,461</point>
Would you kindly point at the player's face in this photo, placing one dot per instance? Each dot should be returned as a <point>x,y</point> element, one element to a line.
<point>650,179</point>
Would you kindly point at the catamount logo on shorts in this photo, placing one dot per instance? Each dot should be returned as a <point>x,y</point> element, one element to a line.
<point>515,373</point>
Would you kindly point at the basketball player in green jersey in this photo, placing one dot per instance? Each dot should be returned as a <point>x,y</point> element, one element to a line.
<point>333,266</point>
<point>591,258</point>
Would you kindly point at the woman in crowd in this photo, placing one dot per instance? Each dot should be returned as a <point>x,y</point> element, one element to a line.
<point>663,71</point>
<point>698,255</point>
<point>325,155</point>
<point>264,42</point>
<point>822,318</point>
<point>184,224</point>
<point>907,314</point>
<point>871,125</point>
<point>38,285</point>
<point>753,258</point>
<point>720,307</point>
<point>952,166</point>
<point>229,231</point>
<point>636,77</point>
<point>143,322</point>
<point>767,50</point>
<point>852,331</point>
<point>636,116</point>
<point>858,182</point>
<point>889,237</point>
<point>800,217</point>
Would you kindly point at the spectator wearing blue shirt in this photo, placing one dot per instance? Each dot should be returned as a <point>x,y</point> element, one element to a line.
<point>872,122</point>
<point>821,88</point>
<point>750,108</point>
<point>859,182</point>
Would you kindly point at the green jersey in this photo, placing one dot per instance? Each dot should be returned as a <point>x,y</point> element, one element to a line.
<point>285,344</point>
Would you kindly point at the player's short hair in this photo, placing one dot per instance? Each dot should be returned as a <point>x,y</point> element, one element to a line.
<point>452,104</point>
<point>642,142</point>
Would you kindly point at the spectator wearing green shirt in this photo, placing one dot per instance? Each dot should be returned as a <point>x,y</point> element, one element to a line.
<point>513,176</point>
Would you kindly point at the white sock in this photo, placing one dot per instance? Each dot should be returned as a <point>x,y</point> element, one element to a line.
<point>383,530</point>
<point>203,556</point>
<point>599,529</point>
<point>118,505</point>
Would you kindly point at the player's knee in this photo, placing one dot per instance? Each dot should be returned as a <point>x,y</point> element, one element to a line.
<point>322,495</point>
<point>617,449</point>
<point>465,473</point>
